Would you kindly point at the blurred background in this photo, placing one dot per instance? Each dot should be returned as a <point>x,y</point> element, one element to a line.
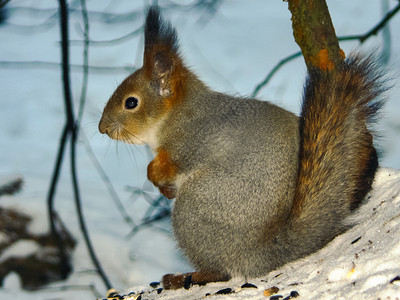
<point>231,44</point>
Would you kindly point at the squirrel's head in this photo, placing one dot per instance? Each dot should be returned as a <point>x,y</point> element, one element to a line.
<point>144,99</point>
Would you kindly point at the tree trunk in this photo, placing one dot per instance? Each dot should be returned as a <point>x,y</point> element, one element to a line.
<point>314,33</point>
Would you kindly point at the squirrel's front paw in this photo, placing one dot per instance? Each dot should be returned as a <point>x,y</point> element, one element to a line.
<point>168,191</point>
<point>162,173</point>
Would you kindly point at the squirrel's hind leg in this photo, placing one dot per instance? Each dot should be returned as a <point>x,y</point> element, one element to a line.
<point>177,281</point>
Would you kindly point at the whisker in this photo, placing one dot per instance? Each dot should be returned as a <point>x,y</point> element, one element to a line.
<point>121,134</point>
<point>145,153</point>
<point>90,124</point>
<point>93,134</point>
<point>108,147</point>
<point>117,143</point>
<point>125,134</point>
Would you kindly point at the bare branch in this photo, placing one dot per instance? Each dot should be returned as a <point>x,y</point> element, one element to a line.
<point>360,37</point>
<point>273,71</point>
<point>70,130</point>
<point>373,31</point>
<point>121,39</point>
<point>3,3</point>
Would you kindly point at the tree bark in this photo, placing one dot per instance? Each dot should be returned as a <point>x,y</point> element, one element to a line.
<point>314,33</point>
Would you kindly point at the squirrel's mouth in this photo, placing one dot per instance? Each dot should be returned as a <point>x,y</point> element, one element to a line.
<point>117,131</point>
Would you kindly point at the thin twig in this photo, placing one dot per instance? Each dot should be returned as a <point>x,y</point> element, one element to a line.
<point>162,215</point>
<point>273,71</point>
<point>75,12</point>
<point>75,130</point>
<point>386,36</point>
<point>82,101</point>
<point>373,31</point>
<point>85,68</point>
<point>64,264</point>
<point>3,3</point>
<point>107,181</point>
<point>121,39</point>
<point>81,218</point>
<point>56,66</point>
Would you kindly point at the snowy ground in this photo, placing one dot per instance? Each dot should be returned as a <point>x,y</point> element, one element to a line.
<point>363,263</point>
<point>231,51</point>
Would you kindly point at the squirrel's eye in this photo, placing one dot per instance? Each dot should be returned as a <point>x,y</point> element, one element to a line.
<point>131,103</point>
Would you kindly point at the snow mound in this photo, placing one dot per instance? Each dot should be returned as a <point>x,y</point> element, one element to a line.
<point>362,263</point>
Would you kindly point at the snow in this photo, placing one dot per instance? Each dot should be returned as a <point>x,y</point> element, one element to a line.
<point>12,282</point>
<point>3,238</point>
<point>20,248</point>
<point>231,52</point>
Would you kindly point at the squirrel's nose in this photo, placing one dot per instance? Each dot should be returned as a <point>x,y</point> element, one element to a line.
<point>102,126</point>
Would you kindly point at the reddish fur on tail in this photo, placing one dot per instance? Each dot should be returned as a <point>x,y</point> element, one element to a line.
<point>337,159</point>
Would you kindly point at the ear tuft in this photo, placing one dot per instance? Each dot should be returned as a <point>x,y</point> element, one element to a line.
<point>159,32</point>
<point>162,63</point>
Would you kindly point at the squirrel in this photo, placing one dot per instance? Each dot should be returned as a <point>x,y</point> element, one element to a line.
<point>255,186</point>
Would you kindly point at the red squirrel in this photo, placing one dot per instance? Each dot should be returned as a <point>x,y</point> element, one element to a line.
<point>254,185</point>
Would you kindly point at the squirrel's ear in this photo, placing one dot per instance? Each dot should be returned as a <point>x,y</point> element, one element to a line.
<point>161,54</point>
<point>162,71</point>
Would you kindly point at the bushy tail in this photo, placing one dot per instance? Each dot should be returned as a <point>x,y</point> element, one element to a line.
<point>337,160</point>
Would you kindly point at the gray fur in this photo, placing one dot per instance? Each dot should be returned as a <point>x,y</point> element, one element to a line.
<point>238,159</point>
